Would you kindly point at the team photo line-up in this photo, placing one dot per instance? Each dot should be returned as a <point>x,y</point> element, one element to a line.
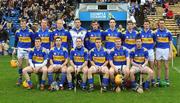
<point>118,56</point>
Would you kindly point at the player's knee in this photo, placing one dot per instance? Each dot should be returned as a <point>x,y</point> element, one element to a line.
<point>111,72</point>
<point>132,71</point>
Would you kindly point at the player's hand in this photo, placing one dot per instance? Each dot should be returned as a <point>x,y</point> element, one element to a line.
<point>14,52</point>
<point>170,56</point>
<point>35,70</point>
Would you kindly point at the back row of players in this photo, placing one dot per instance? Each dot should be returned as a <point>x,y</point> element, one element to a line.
<point>137,49</point>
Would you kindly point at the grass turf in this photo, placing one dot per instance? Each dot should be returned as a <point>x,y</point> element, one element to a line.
<point>10,93</point>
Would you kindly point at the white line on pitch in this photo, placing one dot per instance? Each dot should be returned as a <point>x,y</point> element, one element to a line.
<point>176,69</point>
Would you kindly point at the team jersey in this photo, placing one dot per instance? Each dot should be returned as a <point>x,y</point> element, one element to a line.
<point>163,38</point>
<point>109,38</point>
<point>91,37</point>
<point>64,35</point>
<point>38,56</point>
<point>139,55</point>
<point>77,33</point>
<point>79,56</point>
<point>129,39</point>
<point>99,57</point>
<point>58,55</point>
<point>46,37</point>
<point>118,56</point>
<point>24,38</point>
<point>148,39</point>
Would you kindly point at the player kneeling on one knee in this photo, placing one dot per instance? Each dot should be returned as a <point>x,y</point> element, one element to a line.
<point>139,60</point>
<point>37,61</point>
<point>119,61</point>
<point>78,61</point>
<point>58,60</point>
<point>99,60</point>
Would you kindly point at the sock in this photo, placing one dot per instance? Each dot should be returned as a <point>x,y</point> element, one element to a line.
<point>43,82</point>
<point>146,84</point>
<point>152,81</point>
<point>83,84</point>
<point>105,81</point>
<point>70,85</point>
<point>63,78</point>
<point>158,79</point>
<point>91,81</point>
<point>50,78</point>
<point>20,73</point>
<point>29,83</point>
<point>1,53</point>
<point>133,84</point>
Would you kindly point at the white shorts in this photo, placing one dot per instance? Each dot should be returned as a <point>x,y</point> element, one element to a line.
<point>22,53</point>
<point>137,70</point>
<point>120,68</point>
<point>151,55</point>
<point>162,54</point>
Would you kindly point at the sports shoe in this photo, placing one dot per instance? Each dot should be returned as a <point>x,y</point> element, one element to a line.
<point>42,87</point>
<point>19,82</point>
<point>104,88</point>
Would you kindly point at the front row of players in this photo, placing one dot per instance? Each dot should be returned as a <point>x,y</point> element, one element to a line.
<point>117,60</point>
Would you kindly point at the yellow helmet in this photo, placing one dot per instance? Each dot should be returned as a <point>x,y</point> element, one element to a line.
<point>118,79</point>
<point>25,84</point>
<point>13,63</point>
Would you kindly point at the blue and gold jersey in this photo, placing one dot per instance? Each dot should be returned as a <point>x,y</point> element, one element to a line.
<point>148,39</point>
<point>24,37</point>
<point>118,56</point>
<point>58,55</point>
<point>38,56</point>
<point>64,35</point>
<point>129,39</point>
<point>79,55</point>
<point>109,38</point>
<point>163,38</point>
<point>91,37</point>
<point>139,55</point>
<point>99,57</point>
<point>46,37</point>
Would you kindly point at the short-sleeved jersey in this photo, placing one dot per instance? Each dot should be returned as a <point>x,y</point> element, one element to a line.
<point>139,55</point>
<point>163,38</point>
<point>46,37</point>
<point>99,57</point>
<point>91,37</point>
<point>128,39</point>
<point>148,39</point>
<point>24,37</point>
<point>58,55</point>
<point>118,56</point>
<point>38,56</point>
<point>64,35</point>
<point>79,55</point>
<point>109,38</point>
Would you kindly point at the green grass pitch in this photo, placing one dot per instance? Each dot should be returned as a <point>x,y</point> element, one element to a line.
<point>10,93</point>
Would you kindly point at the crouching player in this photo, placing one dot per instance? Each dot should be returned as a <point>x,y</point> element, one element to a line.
<point>99,60</point>
<point>78,61</point>
<point>139,60</point>
<point>58,60</point>
<point>37,61</point>
<point>119,62</point>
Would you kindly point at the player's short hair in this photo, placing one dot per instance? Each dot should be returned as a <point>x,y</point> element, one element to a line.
<point>146,20</point>
<point>77,19</point>
<point>98,39</point>
<point>45,19</point>
<point>79,38</point>
<point>58,38</point>
<point>37,38</point>
<point>94,21</point>
<point>117,39</point>
<point>129,22</point>
<point>23,20</point>
<point>161,20</point>
<point>112,19</point>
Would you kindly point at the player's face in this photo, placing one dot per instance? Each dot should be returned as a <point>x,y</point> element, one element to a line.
<point>95,26</point>
<point>130,26</point>
<point>146,25</point>
<point>112,23</point>
<point>44,24</point>
<point>23,24</point>
<point>58,42</point>
<point>118,43</point>
<point>37,43</point>
<point>138,43</point>
<point>59,24</point>
<point>98,43</point>
<point>161,24</point>
<point>78,43</point>
<point>77,23</point>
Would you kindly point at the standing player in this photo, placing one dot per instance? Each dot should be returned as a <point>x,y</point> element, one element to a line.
<point>78,61</point>
<point>58,62</point>
<point>148,42</point>
<point>45,34</point>
<point>77,31</point>
<point>119,62</point>
<point>63,34</point>
<point>139,61</point>
<point>163,50</point>
<point>23,40</point>
<point>92,35</point>
<point>37,60</point>
<point>129,37</point>
<point>111,34</point>
<point>99,60</point>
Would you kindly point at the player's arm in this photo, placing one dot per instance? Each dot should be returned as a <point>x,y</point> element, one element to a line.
<point>30,59</point>
<point>107,60</point>
<point>112,64</point>
<point>127,59</point>
<point>86,58</point>
<point>111,59</point>
<point>132,61</point>
<point>71,59</point>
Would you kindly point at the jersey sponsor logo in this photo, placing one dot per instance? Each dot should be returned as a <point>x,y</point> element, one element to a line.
<point>163,39</point>
<point>119,58</point>
<point>78,59</point>
<point>63,38</point>
<point>139,59</point>
<point>110,38</point>
<point>58,58</point>
<point>45,39</point>
<point>99,59</point>
<point>25,39</point>
<point>130,41</point>
<point>147,40</point>
<point>38,59</point>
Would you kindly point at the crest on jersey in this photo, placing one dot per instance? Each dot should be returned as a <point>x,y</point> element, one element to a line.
<point>143,36</point>
<point>75,54</point>
<point>54,53</point>
<point>136,55</point>
<point>127,37</point>
<point>94,54</point>
<point>115,54</point>
<point>109,34</point>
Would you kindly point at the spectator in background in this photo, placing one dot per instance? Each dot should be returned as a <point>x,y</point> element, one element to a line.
<point>4,37</point>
